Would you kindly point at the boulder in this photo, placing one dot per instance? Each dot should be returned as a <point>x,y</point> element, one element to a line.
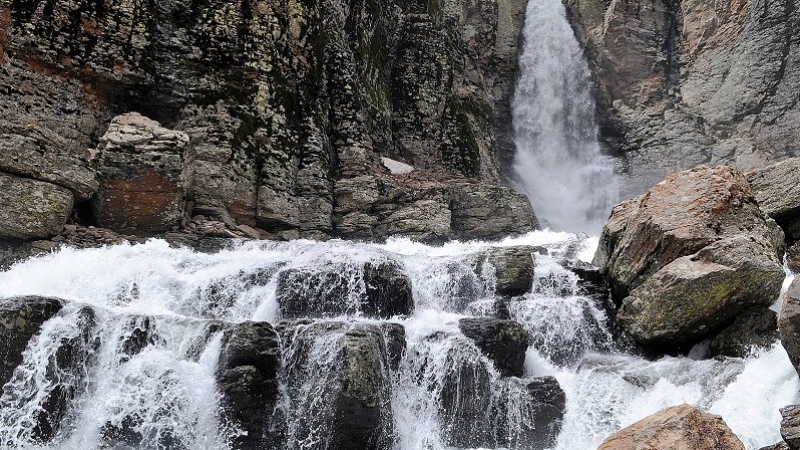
<point>338,385</point>
<point>513,269</point>
<point>790,426</point>
<point>248,380</point>
<point>141,168</point>
<point>681,427</point>
<point>374,289</point>
<point>485,212</point>
<point>504,342</point>
<point>31,209</point>
<point>775,188</point>
<point>688,256</point>
<point>789,323</point>
<point>20,319</point>
<point>756,328</point>
<point>529,413</point>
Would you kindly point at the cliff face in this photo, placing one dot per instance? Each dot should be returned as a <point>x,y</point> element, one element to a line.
<point>288,106</point>
<point>685,82</point>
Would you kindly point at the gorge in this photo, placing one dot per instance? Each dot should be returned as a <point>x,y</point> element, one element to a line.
<point>294,224</point>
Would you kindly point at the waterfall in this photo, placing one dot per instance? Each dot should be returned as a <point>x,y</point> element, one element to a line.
<point>131,361</point>
<point>558,162</point>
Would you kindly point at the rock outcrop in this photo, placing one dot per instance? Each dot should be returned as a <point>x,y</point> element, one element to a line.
<point>273,115</point>
<point>688,256</point>
<point>681,427</point>
<point>752,330</point>
<point>686,82</point>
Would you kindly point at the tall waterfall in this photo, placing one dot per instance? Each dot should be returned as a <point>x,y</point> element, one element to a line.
<point>131,362</point>
<point>558,162</point>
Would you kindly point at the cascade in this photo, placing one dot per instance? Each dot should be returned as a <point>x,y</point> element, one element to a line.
<point>558,162</point>
<point>133,359</point>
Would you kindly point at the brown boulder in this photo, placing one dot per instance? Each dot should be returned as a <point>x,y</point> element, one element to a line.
<point>688,256</point>
<point>680,427</point>
<point>789,323</point>
<point>141,172</point>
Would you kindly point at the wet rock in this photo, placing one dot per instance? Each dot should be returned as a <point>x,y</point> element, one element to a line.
<point>790,426</point>
<point>395,337</point>
<point>793,257</point>
<point>339,384</point>
<point>753,329</point>
<point>513,269</point>
<point>21,318</point>
<point>248,379</point>
<point>503,341</point>
<point>482,212</point>
<point>141,171</point>
<point>465,399</point>
<point>375,289</point>
<point>31,209</point>
<point>778,446</point>
<point>536,407</point>
<point>775,188</point>
<point>689,256</point>
<point>789,323</point>
<point>13,250</point>
<point>681,427</point>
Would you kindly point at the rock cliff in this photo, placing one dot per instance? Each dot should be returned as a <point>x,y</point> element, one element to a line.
<point>271,114</point>
<point>686,82</point>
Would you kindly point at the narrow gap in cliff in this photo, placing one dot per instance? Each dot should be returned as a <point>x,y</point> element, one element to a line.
<point>82,214</point>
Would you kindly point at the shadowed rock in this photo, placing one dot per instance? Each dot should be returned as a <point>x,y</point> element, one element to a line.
<point>503,341</point>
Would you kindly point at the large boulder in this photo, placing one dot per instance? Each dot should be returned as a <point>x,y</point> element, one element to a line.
<point>338,385</point>
<point>141,170</point>
<point>31,209</point>
<point>681,427</point>
<point>503,341</point>
<point>776,189</point>
<point>20,319</point>
<point>248,380</point>
<point>374,289</point>
<point>688,256</point>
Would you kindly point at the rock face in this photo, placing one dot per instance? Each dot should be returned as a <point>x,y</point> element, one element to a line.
<point>31,209</point>
<point>140,167</point>
<point>374,289</point>
<point>688,256</point>
<point>789,323</point>
<point>776,189</point>
<point>280,113</point>
<point>503,341</point>
<point>681,427</point>
<point>685,82</point>
<point>753,329</point>
<point>20,319</point>
<point>248,380</point>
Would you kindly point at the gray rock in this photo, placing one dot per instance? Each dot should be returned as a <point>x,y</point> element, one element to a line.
<point>141,171</point>
<point>20,319</point>
<point>776,189</point>
<point>789,323</point>
<point>490,212</point>
<point>513,269</point>
<point>690,255</point>
<point>528,413</point>
<point>790,426</point>
<point>504,342</point>
<point>248,380</point>
<point>753,329</point>
<point>374,289</point>
<point>31,209</point>
<point>777,446</point>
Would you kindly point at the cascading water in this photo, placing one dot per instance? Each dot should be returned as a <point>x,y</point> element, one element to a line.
<point>131,361</point>
<point>558,162</point>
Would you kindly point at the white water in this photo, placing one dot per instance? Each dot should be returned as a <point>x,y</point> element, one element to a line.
<point>163,390</point>
<point>558,162</point>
